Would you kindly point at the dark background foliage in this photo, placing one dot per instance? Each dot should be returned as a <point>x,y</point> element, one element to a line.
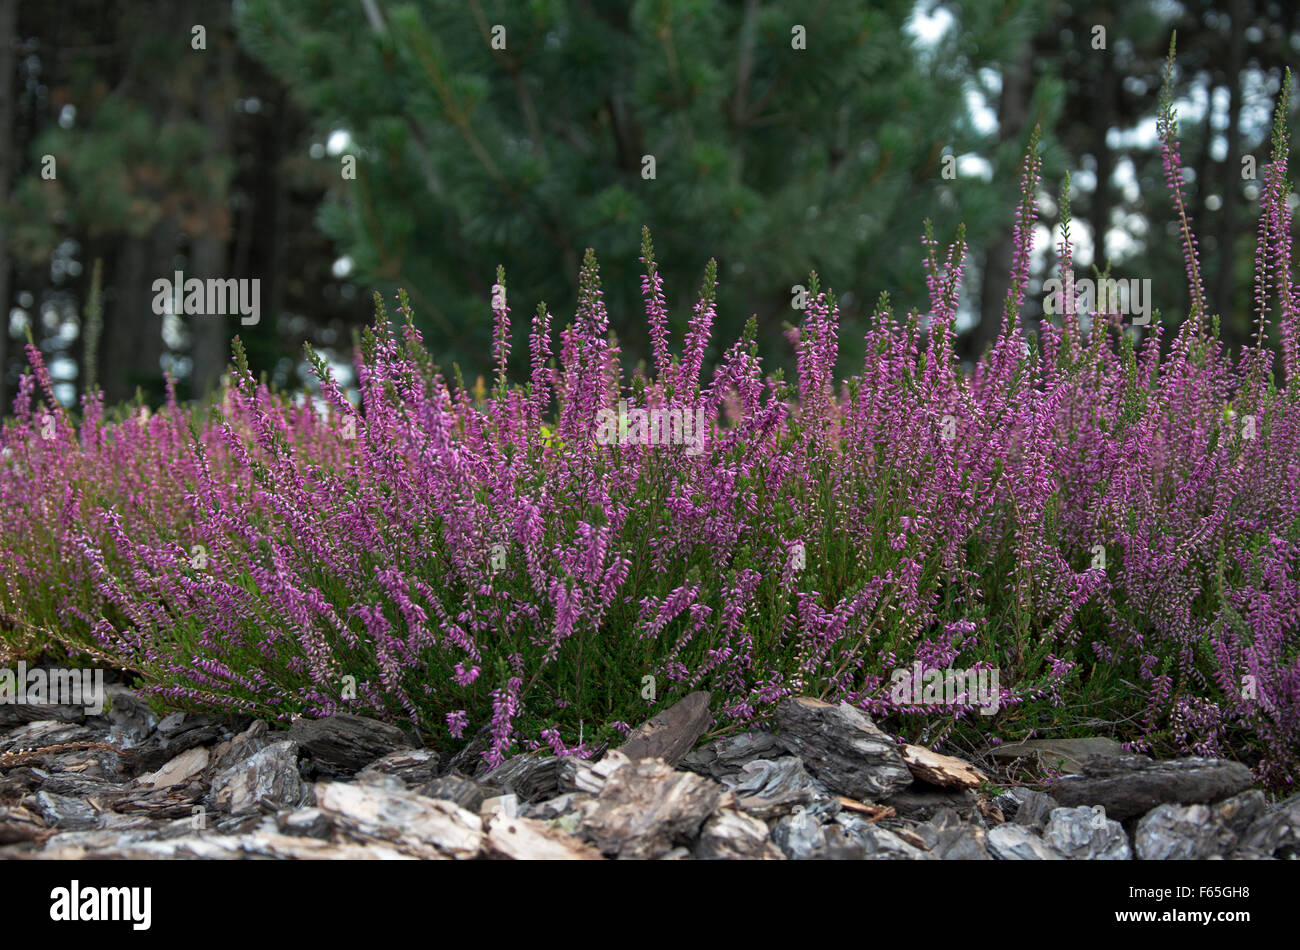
<point>226,161</point>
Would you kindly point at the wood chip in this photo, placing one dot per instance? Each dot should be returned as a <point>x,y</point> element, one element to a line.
<point>872,812</point>
<point>178,771</point>
<point>945,771</point>
<point>525,839</point>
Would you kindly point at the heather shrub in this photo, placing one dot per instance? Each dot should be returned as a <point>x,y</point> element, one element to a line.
<point>1111,526</point>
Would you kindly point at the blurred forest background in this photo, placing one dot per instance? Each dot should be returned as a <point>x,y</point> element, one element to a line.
<point>223,153</point>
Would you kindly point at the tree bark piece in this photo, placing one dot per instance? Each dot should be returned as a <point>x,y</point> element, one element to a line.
<point>454,787</point>
<point>41,734</point>
<point>842,746</point>
<point>523,839</point>
<point>269,777</point>
<point>1017,843</point>
<point>922,802</point>
<point>344,744</point>
<point>412,766</point>
<point>768,789</point>
<point>1134,784</point>
<point>1067,755</point>
<point>178,801</point>
<point>870,812</point>
<point>133,721</point>
<point>1276,834</point>
<point>63,812</point>
<point>800,836</point>
<point>645,808</point>
<point>879,843</point>
<point>411,824</point>
<point>530,776</point>
<point>1196,832</point>
<point>177,733</point>
<point>672,733</point>
<point>19,825</point>
<point>945,771</point>
<point>1086,834</point>
<point>580,775</point>
<point>180,770</point>
<point>1036,810</point>
<point>730,835</point>
<point>729,755</point>
<point>949,838</point>
<point>131,845</point>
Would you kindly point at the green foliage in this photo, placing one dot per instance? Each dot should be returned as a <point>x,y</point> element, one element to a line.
<point>781,159</point>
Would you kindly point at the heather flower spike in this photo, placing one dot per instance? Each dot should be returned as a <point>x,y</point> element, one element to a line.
<point>656,312</point>
<point>1023,234</point>
<point>1171,160</point>
<point>1274,252</point>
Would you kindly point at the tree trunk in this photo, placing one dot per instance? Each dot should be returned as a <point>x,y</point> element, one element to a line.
<point>210,334</point>
<point>1236,328</point>
<point>131,349</point>
<point>8,24</point>
<point>1013,113</point>
<point>1102,203</point>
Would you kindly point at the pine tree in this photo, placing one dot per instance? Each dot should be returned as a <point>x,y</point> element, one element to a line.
<point>490,133</point>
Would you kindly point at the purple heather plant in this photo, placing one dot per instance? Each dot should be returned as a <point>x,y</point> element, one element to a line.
<point>1113,528</point>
